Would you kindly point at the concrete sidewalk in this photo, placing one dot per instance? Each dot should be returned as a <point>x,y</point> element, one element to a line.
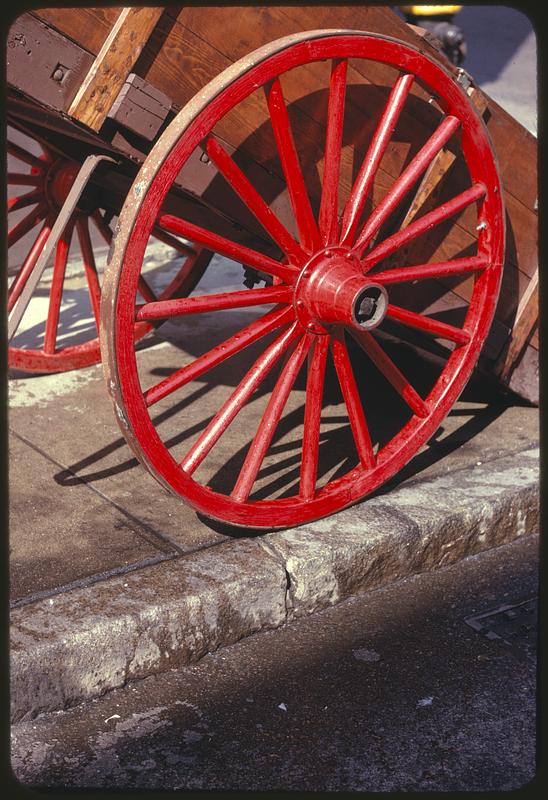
<point>113,579</point>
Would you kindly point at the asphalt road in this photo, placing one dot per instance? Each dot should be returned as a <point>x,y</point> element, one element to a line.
<point>395,690</point>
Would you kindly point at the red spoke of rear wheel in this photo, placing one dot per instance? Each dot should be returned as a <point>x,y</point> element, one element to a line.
<point>349,389</point>
<point>56,290</point>
<point>227,248</point>
<point>384,364</point>
<point>317,360</point>
<point>456,266</point>
<point>269,421</point>
<point>27,158</point>
<point>300,201</point>
<point>172,241</point>
<point>255,330</point>
<point>102,226</point>
<point>328,216</point>
<point>28,264</point>
<point>253,200</point>
<point>428,325</point>
<point>213,302</point>
<point>383,133</point>
<point>24,179</point>
<point>424,223</point>
<point>239,397</point>
<point>24,200</point>
<point>406,180</point>
<point>27,224</point>
<point>146,291</point>
<point>89,266</point>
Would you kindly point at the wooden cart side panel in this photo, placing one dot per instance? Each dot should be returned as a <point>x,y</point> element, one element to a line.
<point>198,51</point>
<point>192,44</point>
<point>88,27</point>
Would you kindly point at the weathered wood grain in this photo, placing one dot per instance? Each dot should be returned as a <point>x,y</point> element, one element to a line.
<point>113,63</point>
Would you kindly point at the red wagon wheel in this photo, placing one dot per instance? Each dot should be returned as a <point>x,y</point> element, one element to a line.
<point>327,288</point>
<point>39,180</point>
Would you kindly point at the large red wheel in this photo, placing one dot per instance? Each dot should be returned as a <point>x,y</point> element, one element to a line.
<point>331,287</point>
<point>50,338</point>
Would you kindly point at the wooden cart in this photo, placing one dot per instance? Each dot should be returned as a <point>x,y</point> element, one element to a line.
<point>363,183</point>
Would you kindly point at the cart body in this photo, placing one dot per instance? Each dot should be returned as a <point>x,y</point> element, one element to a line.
<point>109,79</point>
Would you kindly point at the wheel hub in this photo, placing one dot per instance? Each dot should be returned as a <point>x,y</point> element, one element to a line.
<point>332,289</point>
<point>60,178</point>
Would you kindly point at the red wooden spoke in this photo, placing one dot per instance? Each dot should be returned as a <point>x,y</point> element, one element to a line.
<point>349,389</point>
<point>102,226</point>
<point>424,223</point>
<point>187,274</point>
<point>24,179</point>
<point>26,224</point>
<point>146,291</point>
<point>89,266</point>
<point>456,266</point>
<point>428,325</point>
<point>239,397</point>
<point>406,180</point>
<point>269,421</point>
<point>300,201</point>
<point>28,264</point>
<point>172,241</point>
<point>24,200</point>
<point>364,181</point>
<point>56,290</point>
<point>317,360</point>
<point>227,248</point>
<point>384,363</point>
<point>328,216</point>
<point>213,302</point>
<point>255,330</point>
<point>247,192</point>
<point>27,158</point>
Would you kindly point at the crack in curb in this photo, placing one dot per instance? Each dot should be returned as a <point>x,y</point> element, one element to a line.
<point>274,553</point>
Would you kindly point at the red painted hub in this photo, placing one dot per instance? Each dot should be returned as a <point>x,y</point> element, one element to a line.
<point>333,290</point>
<point>58,181</point>
<point>333,293</point>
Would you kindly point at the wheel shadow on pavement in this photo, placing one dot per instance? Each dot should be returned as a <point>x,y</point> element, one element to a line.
<point>435,451</point>
<point>337,454</point>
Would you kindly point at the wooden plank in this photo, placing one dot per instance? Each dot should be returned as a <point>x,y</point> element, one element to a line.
<point>526,320</point>
<point>113,64</point>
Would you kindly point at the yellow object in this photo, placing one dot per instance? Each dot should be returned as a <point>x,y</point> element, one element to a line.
<point>429,11</point>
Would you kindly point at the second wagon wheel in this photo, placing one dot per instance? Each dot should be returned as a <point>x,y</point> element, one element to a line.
<point>306,372</point>
<point>56,334</point>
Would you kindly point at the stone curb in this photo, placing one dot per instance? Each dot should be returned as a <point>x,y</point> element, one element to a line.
<point>80,644</point>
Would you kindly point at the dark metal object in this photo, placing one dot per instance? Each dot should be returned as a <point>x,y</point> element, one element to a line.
<point>514,625</point>
<point>449,35</point>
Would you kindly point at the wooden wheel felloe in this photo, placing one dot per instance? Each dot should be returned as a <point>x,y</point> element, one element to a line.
<point>38,185</point>
<point>329,298</point>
